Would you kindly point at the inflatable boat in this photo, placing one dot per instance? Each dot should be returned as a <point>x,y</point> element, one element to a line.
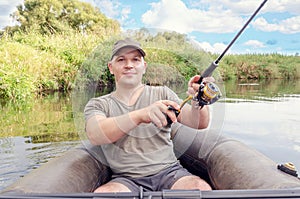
<point>231,167</point>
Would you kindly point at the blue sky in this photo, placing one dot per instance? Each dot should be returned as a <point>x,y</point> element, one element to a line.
<point>211,23</point>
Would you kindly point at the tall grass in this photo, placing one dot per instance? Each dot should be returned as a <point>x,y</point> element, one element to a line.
<point>32,63</point>
<point>260,66</point>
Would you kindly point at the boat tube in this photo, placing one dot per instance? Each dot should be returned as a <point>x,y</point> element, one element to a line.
<point>224,162</point>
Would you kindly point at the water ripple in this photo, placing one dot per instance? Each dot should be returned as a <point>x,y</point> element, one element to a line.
<point>18,156</point>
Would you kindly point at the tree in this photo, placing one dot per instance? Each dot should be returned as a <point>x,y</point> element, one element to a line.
<point>57,16</point>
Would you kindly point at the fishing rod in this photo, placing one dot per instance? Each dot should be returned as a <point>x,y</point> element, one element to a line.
<point>208,92</point>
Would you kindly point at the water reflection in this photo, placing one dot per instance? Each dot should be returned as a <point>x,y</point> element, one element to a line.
<point>266,116</point>
<point>50,115</point>
<point>263,90</point>
<point>271,128</point>
<point>32,133</point>
<point>19,155</point>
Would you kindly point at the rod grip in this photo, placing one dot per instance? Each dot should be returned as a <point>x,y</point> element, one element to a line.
<point>208,72</point>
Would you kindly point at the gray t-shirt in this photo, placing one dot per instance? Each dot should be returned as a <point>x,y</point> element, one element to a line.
<point>146,149</point>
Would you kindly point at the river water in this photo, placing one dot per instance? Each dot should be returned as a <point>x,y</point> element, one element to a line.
<point>264,115</point>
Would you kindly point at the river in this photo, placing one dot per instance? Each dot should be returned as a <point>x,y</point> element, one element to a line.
<point>265,115</point>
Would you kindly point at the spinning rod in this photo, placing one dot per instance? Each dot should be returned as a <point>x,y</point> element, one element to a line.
<point>214,64</point>
<point>209,93</point>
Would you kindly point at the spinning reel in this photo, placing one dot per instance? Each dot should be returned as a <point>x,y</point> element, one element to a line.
<point>208,94</point>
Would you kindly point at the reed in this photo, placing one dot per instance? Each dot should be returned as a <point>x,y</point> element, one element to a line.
<point>33,64</point>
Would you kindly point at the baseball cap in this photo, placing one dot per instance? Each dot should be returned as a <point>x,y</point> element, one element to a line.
<point>128,42</point>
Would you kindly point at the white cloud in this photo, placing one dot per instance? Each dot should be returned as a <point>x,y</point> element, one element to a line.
<point>114,9</point>
<point>217,48</point>
<point>288,26</point>
<point>239,7</point>
<point>174,15</point>
<point>221,16</point>
<point>124,13</point>
<point>247,7</point>
<point>290,6</point>
<point>108,7</point>
<point>7,7</point>
<point>254,44</point>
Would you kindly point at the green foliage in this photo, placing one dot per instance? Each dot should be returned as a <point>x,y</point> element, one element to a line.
<point>58,16</point>
<point>94,71</point>
<point>25,70</point>
<point>169,56</point>
<point>48,48</point>
<point>172,49</point>
<point>15,86</point>
<point>260,66</point>
<point>158,74</point>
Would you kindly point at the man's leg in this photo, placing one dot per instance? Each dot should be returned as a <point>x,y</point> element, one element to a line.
<point>119,184</point>
<point>112,187</point>
<point>191,182</point>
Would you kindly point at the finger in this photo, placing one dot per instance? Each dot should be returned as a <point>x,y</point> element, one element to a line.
<point>155,120</point>
<point>193,80</point>
<point>158,115</point>
<point>208,79</point>
<point>161,119</point>
<point>168,103</point>
<point>195,86</point>
<point>191,91</point>
<point>196,78</point>
<point>165,103</point>
<point>171,114</point>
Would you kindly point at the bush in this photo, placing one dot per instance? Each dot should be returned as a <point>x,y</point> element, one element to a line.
<point>25,70</point>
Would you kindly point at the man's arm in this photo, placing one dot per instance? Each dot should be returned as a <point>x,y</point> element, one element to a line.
<point>195,117</point>
<point>104,130</point>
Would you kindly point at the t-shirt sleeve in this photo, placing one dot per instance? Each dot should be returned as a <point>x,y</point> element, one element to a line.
<point>95,106</point>
<point>171,95</point>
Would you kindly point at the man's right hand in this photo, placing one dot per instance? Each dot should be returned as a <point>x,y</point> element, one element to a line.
<point>158,112</point>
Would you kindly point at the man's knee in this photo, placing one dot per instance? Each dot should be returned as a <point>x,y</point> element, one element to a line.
<point>112,187</point>
<point>191,182</point>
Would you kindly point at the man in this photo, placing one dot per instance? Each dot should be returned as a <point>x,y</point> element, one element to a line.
<point>131,127</point>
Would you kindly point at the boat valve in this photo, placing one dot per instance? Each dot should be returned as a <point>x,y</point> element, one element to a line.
<point>288,168</point>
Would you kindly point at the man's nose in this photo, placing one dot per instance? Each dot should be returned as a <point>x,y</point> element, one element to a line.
<point>129,64</point>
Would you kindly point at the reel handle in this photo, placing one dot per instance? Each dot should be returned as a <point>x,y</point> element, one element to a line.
<point>176,113</point>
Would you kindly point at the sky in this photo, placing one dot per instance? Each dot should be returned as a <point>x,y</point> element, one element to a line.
<point>210,23</point>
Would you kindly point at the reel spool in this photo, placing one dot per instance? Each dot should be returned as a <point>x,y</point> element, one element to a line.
<point>208,94</point>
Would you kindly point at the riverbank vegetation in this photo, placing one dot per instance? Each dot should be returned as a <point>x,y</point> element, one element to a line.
<point>63,45</point>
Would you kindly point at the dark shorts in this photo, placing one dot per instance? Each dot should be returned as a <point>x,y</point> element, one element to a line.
<point>157,182</point>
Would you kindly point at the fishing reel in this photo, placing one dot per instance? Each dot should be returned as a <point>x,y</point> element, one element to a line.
<point>208,94</point>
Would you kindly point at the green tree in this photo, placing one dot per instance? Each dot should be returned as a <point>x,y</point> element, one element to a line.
<point>57,16</point>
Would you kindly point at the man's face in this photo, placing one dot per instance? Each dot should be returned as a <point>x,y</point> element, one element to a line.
<point>128,67</point>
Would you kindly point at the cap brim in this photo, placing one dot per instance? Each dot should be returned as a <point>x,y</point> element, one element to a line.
<point>142,52</point>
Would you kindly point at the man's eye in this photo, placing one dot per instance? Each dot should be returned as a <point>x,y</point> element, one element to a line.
<point>120,60</point>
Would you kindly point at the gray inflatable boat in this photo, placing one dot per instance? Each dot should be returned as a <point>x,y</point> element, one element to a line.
<point>227,164</point>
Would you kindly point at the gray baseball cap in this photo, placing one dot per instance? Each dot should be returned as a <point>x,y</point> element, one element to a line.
<point>128,42</point>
